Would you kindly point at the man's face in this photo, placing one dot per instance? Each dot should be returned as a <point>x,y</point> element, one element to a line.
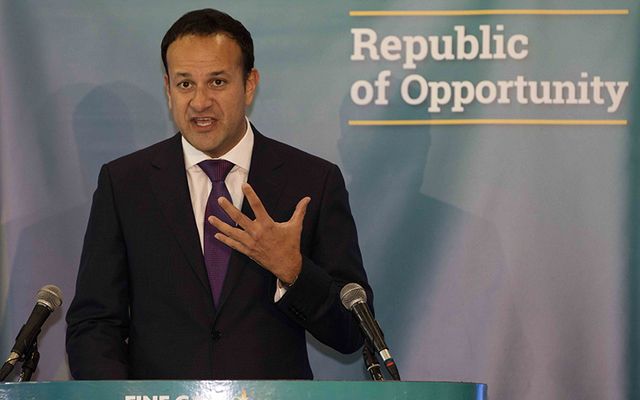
<point>207,92</point>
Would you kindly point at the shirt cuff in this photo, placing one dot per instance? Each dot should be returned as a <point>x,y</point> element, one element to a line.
<point>281,290</point>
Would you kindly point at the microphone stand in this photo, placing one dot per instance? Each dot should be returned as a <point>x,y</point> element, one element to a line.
<point>5,370</point>
<point>7,367</point>
<point>30,363</point>
<point>371,361</point>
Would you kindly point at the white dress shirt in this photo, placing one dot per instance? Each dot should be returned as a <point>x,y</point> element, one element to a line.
<point>200,184</point>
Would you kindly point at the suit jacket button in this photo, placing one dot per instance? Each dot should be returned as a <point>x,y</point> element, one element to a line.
<point>215,335</point>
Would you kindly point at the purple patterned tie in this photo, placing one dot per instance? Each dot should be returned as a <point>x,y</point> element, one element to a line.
<point>216,253</point>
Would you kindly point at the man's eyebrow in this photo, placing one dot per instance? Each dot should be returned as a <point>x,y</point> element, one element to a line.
<point>217,73</point>
<point>188,74</point>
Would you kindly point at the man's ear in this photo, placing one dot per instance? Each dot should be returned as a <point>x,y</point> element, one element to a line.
<point>166,90</point>
<point>250,86</point>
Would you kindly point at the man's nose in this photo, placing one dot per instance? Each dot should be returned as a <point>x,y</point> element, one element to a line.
<point>201,99</point>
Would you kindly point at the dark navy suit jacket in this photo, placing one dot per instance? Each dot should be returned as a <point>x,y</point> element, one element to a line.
<point>143,307</point>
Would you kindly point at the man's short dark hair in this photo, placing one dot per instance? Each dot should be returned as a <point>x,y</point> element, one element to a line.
<point>207,22</point>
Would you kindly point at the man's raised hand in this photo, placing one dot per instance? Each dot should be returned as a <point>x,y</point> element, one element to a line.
<point>273,245</point>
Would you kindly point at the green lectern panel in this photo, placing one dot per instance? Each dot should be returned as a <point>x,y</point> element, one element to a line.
<point>241,390</point>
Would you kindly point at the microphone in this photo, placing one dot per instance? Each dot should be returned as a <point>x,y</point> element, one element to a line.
<point>49,298</point>
<point>354,299</point>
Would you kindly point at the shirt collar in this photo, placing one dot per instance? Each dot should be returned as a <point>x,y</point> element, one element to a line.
<point>240,154</point>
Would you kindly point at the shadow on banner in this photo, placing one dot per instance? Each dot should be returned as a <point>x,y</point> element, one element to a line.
<point>108,121</point>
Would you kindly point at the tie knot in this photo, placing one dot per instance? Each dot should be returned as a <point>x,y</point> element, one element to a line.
<point>216,170</point>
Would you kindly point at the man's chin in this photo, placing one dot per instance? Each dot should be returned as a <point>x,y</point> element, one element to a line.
<point>203,141</point>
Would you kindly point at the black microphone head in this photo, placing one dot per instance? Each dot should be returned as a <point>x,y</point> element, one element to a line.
<point>352,294</point>
<point>50,296</point>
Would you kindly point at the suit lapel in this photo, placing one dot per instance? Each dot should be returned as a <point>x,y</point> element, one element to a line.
<point>267,179</point>
<point>265,176</point>
<point>169,184</point>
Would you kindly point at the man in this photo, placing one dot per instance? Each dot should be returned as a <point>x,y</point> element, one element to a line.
<point>160,294</point>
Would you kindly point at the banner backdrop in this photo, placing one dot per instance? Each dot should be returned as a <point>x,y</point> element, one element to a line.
<point>490,148</point>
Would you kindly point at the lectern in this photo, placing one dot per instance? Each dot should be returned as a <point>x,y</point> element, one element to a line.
<point>241,390</point>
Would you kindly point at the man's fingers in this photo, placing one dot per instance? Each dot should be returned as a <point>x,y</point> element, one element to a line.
<point>236,215</point>
<point>228,230</point>
<point>234,244</point>
<point>235,238</point>
<point>300,211</point>
<point>255,203</point>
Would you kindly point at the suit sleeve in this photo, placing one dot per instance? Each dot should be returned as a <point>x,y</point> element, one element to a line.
<point>98,317</point>
<point>332,261</point>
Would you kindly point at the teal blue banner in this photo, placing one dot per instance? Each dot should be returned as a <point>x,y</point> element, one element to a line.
<point>490,149</point>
